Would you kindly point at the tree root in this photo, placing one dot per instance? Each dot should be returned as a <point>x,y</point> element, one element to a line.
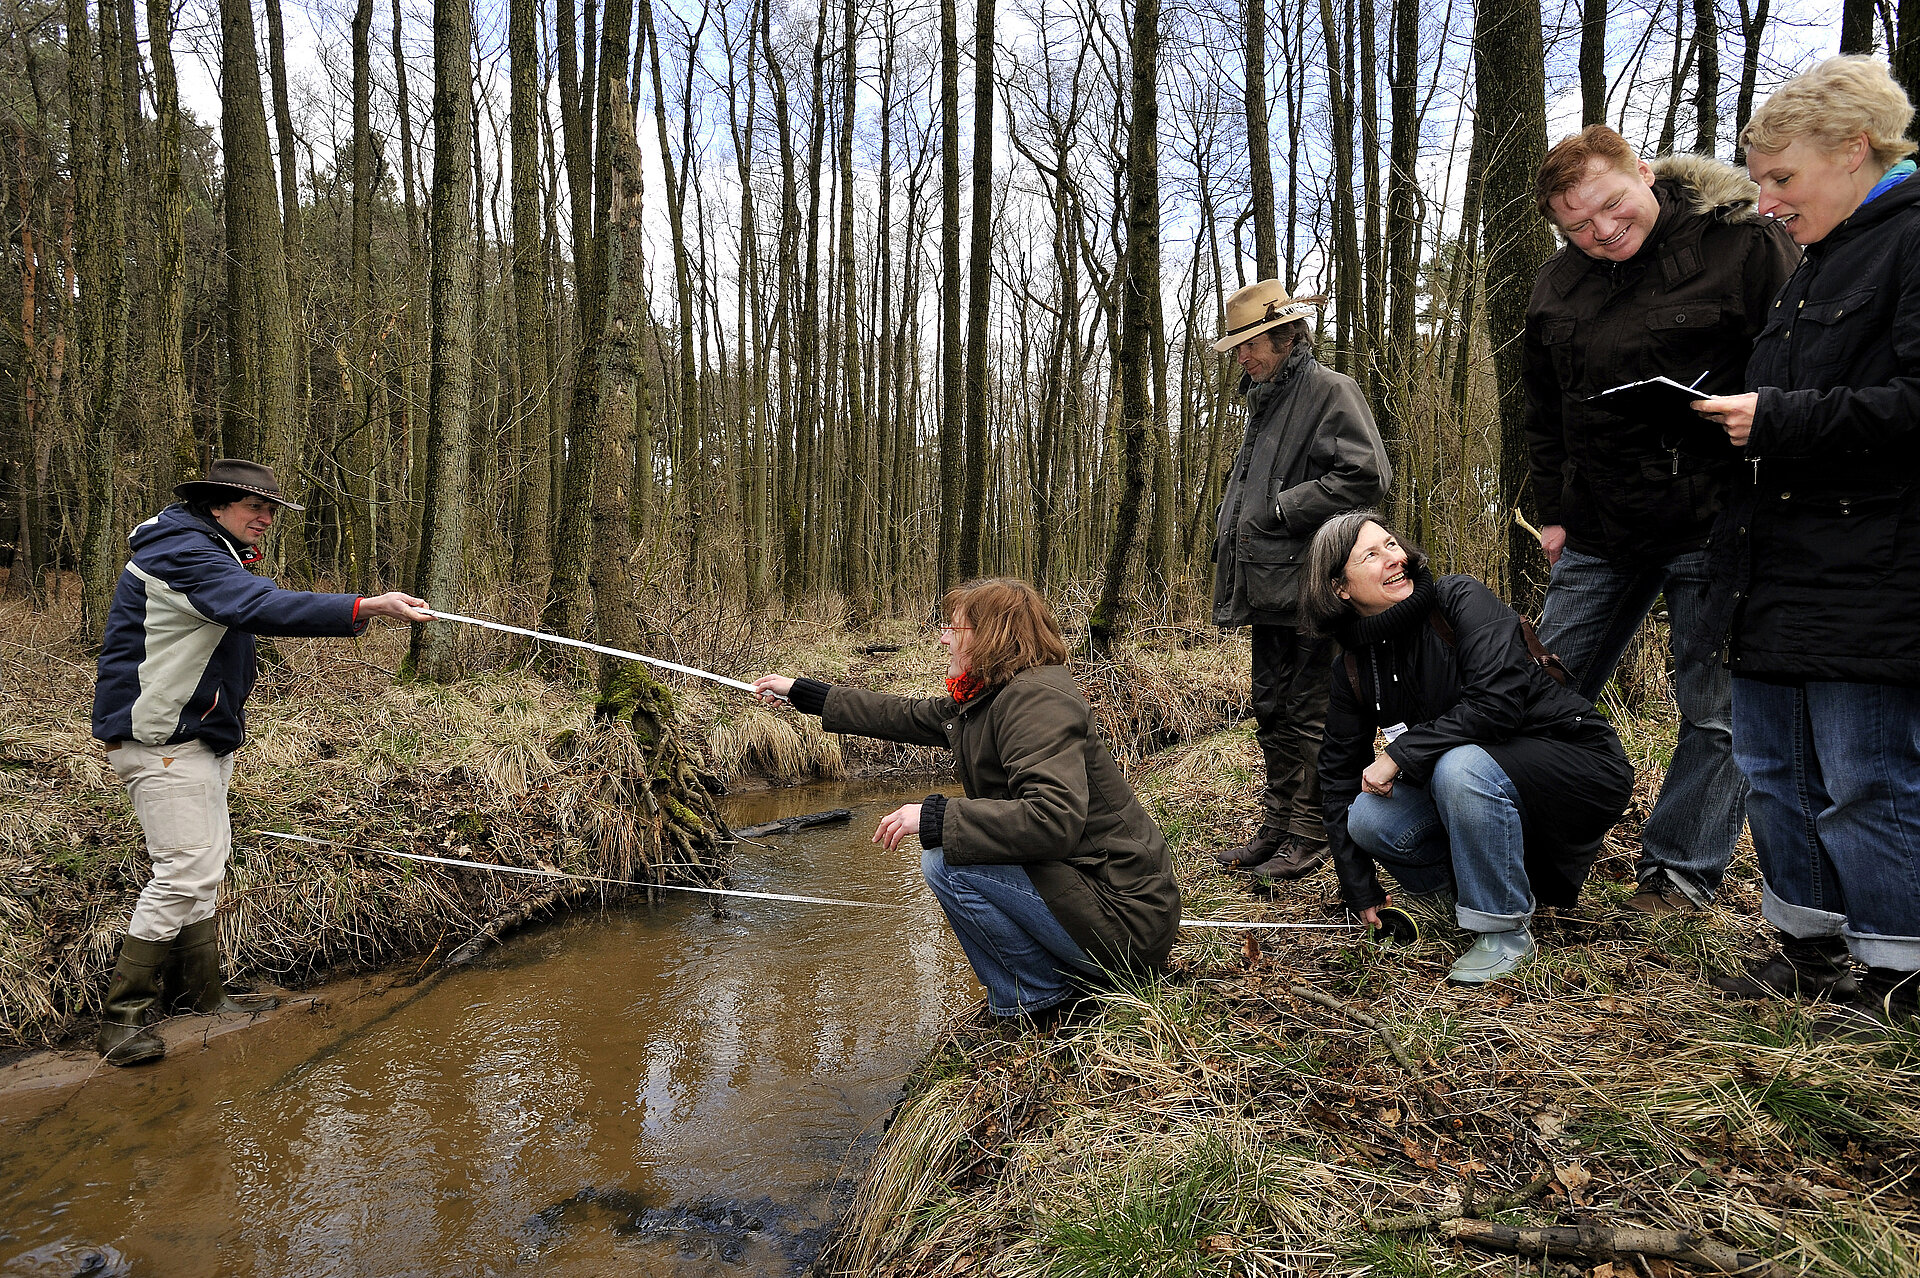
<point>1604,1242</point>
<point>517,917</point>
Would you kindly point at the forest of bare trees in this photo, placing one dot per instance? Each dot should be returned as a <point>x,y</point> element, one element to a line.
<point>571,311</point>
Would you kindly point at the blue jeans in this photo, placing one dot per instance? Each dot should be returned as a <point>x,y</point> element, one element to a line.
<point>1836,811</point>
<point>1593,609</point>
<point>1461,830</point>
<point>1018,949</point>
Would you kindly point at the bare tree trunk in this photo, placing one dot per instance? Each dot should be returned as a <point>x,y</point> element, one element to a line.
<point>1266,252</point>
<point>1403,352</point>
<point>1856,26</point>
<point>1593,62</point>
<point>1753,27</point>
<point>526,115</point>
<point>951,421</point>
<point>979,293</point>
<point>853,572</point>
<point>175,409</point>
<point>451,308</point>
<point>1511,87</point>
<point>1706,98</point>
<point>1142,289</point>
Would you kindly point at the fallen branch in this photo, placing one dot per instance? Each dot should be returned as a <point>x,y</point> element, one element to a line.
<point>1427,1220</point>
<point>875,649</point>
<point>512,919</point>
<point>787,825</point>
<point>1603,1242</point>
<point>1331,1003</point>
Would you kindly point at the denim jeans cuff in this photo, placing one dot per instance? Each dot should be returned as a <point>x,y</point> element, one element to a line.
<point>1902,953</point>
<point>1480,921</point>
<point>1802,922</point>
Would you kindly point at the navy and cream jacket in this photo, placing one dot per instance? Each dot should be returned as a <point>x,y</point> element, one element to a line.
<point>177,661</point>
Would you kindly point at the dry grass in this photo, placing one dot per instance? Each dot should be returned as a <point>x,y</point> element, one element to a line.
<point>1214,1123</point>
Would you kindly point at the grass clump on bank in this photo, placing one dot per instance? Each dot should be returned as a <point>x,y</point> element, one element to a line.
<point>1220,1121</point>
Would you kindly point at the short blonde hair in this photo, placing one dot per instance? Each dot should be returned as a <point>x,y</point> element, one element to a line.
<point>1838,100</point>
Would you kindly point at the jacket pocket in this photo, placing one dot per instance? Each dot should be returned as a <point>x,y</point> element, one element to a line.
<point>1272,566</point>
<point>1823,337</point>
<point>1557,337</point>
<point>1683,339</point>
<point>1831,541</point>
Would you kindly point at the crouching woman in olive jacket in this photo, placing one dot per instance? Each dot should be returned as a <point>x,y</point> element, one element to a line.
<point>1049,870</point>
<point>1495,782</point>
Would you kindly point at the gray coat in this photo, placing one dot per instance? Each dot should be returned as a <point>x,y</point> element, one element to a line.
<point>1311,452</point>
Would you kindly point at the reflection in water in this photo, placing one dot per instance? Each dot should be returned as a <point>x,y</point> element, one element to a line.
<point>653,1091</point>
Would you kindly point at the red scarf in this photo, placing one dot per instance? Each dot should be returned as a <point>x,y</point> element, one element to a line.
<point>965,687</point>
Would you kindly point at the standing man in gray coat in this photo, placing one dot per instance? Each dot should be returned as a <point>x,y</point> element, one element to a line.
<point>1311,451</point>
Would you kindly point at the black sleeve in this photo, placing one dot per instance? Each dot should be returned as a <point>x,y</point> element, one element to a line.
<point>933,820</point>
<point>1546,434</point>
<point>1345,752</point>
<point>1496,677</point>
<point>809,696</point>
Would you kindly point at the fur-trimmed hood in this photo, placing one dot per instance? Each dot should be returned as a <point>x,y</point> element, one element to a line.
<point>1711,186</point>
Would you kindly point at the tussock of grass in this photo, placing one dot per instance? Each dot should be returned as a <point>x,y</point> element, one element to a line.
<point>1213,1123</point>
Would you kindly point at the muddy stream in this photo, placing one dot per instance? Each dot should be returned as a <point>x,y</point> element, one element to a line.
<point>640,1091</point>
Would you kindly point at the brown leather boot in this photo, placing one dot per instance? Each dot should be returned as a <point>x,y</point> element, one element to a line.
<point>1259,848</point>
<point>198,987</point>
<point>1888,999</point>
<point>1297,857</point>
<point>124,1038</point>
<point>1806,967</point>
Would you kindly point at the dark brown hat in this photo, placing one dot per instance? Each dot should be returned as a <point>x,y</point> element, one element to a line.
<point>230,473</point>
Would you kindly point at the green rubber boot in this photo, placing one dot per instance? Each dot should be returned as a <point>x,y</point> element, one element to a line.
<point>1492,956</point>
<point>124,1038</point>
<point>193,978</point>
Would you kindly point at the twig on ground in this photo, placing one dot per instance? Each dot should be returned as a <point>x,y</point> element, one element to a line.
<point>1354,1014</point>
<point>1428,1220</point>
<point>1603,1242</point>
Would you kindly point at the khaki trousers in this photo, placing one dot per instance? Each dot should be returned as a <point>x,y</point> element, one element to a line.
<point>179,793</point>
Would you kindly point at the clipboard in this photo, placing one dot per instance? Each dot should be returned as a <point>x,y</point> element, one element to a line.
<point>1665,403</point>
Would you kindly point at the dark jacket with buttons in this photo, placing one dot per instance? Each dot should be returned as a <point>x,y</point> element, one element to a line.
<point>1817,557</point>
<point>1481,688</point>
<point>1690,302</point>
<point>1311,452</point>
<point>1042,791</point>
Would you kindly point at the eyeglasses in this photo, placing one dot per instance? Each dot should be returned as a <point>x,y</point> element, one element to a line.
<point>944,627</point>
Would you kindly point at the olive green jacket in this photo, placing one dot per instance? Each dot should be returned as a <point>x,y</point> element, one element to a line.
<point>1043,792</point>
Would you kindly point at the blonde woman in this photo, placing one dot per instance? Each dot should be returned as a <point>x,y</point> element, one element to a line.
<point>1817,552</point>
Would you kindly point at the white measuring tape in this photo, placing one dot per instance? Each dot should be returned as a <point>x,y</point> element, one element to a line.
<point>707,891</point>
<point>544,637</point>
<point>583,878</point>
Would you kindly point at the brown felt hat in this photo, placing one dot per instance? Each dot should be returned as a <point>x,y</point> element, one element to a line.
<point>1259,307</point>
<point>227,474</point>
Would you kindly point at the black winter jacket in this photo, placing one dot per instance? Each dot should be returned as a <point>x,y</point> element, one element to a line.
<point>1311,451</point>
<point>1689,302</point>
<point>1481,689</point>
<point>1818,555</point>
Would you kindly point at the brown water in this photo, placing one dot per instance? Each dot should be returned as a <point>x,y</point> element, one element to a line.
<point>645,1091</point>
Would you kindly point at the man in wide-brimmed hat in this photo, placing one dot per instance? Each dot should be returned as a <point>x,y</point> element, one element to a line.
<point>1311,451</point>
<point>176,666</point>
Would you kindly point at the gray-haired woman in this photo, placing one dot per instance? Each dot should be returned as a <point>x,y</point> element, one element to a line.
<point>1496,781</point>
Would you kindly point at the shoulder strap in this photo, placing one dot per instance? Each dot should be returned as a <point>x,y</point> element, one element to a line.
<point>1537,651</point>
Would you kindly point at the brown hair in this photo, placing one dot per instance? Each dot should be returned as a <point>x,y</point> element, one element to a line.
<point>1837,101</point>
<point>1321,607</point>
<point>1567,163</point>
<point>1013,628</point>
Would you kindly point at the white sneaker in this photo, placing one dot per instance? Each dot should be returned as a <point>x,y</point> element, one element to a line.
<point>1492,956</point>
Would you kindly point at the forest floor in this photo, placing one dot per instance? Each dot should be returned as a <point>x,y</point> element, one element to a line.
<point>1272,1106</point>
<point>509,766</point>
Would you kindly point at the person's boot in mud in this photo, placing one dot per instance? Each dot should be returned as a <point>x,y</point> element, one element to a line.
<point>1260,848</point>
<point>1888,999</point>
<point>194,983</point>
<point>1808,967</point>
<point>124,1038</point>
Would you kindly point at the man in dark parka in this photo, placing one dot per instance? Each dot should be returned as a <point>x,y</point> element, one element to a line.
<point>1311,451</point>
<point>1667,270</point>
